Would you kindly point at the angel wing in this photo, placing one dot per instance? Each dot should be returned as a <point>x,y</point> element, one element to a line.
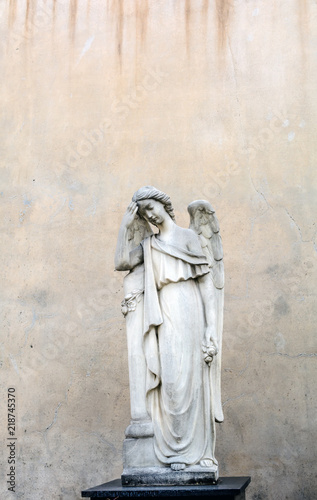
<point>204,222</point>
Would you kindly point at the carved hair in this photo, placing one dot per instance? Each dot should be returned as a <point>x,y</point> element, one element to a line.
<point>151,193</point>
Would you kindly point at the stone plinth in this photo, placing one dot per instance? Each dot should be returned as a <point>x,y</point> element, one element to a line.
<point>159,476</point>
<point>227,488</point>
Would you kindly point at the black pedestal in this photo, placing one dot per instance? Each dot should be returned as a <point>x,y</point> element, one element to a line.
<point>227,488</point>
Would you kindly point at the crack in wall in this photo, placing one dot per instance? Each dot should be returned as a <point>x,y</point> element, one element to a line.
<point>28,329</point>
<point>235,84</point>
<point>257,190</point>
<point>54,418</point>
<point>235,398</point>
<point>240,372</point>
<point>300,355</point>
<point>299,229</point>
<point>69,385</point>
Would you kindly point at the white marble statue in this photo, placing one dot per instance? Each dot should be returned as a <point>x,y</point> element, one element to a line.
<point>174,308</point>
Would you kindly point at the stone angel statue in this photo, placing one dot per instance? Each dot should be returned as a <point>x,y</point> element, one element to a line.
<point>173,307</point>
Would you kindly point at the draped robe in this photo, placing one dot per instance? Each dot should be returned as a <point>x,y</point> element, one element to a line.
<point>179,386</point>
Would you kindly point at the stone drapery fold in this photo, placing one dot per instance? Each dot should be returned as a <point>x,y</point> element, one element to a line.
<point>178,386</point>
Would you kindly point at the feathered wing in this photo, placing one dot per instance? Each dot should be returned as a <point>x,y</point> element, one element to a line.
<point>204,222</point>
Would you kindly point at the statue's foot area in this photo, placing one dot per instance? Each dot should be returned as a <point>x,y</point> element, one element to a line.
<point>178,466</point>
<point>208,462</point>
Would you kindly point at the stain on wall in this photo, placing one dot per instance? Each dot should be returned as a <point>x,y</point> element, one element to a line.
<point>72,18</point>
<point>12,13</point>
<point>224,10</point>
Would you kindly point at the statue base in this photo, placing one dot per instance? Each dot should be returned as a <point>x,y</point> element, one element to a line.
<point>138,453</point>
<point>159,476</point>
<point>227,488</point>
<point>141,466</point>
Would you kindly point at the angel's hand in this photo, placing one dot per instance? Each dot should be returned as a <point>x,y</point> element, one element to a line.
<point>210,348</point>
<point>130,214</point>
<point>210,339</point>
<point>209,351</point>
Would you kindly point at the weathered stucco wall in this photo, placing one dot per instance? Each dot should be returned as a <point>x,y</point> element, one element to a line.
<point>203,99</point>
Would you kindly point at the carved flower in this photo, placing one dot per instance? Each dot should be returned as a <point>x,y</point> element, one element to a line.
<point>124,308</point>
<point>130,301</point>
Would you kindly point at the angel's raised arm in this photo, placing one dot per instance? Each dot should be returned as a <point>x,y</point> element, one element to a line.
<point>133,230</point>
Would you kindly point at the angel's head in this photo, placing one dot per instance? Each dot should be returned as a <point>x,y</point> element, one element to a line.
<point>153,205</point>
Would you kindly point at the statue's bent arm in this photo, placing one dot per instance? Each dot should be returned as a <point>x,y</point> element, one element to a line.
<point>128,256</point>
<point>124,259</point>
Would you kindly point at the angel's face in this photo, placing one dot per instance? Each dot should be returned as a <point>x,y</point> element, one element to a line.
<point>153,211</point>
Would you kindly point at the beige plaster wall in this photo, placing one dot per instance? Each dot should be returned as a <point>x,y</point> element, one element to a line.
<point>203,99</point>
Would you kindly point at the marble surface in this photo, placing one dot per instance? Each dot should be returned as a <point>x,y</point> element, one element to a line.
<point>156,476</point>
<point>173,307</point>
